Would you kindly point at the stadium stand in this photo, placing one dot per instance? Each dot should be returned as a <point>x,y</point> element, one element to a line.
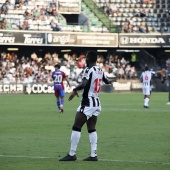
<point>128,15</point>
<point>44,16</point>
<point>137,15</point>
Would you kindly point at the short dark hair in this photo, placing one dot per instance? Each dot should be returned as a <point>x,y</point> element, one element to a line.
<point>146,68</point>
<point>92,55</point>
<point>58,66</point>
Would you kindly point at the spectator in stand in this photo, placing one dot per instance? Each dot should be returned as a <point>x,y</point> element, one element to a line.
<point>127,71</point>
<point>54,25</point>
<point>153,2</point>
<point>125,27</point>
<point>26,13</point>
<point>49,11</point>
<point>114,70</point>
<point>123,61</point>
<point>5,7</point>
<point>121,73</point>
<point>106,11</point>
<point>18,4</point>
<point>132,73</point>
<point>3,24</point>
<point>130,28</point>
<point>140,13</point>
<point>131,21</point>
<point>146,1</point>
<point>54,10</point>
<point>36,14</point>
<point>25,25</point>
<point>142,28</point>
<point>113,9</point>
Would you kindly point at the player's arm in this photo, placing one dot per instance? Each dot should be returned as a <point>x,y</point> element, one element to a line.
<point>52,78</point>
<point>79,87</point>
<point>66,78</point>
<point>141,77</point>
<point>106,80</point>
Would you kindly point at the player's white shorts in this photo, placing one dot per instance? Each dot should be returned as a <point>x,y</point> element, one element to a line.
<point>146,90</point>
<point>89,111</point>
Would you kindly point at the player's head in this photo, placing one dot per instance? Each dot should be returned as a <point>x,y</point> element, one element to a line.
<point>57,66</point>
<point>146,68</point>
<point>91,57</point>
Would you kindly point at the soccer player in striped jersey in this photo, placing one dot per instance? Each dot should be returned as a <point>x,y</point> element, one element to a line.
<point>146,77</point>
<point>90,107</point>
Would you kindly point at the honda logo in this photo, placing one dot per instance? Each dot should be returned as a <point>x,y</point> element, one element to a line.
<point>124,40</point>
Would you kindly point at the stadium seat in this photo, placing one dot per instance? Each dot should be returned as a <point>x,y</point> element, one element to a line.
<point>165,29</point>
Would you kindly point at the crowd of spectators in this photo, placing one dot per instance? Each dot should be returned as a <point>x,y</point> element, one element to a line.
<point>115,66</point>
<point>33,69</point>
<point>30,13</point>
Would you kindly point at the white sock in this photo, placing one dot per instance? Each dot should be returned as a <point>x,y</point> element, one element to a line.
<point>147,101</point>
<point>93,143</point>
<point>75,137</point>
<point>145,104</point>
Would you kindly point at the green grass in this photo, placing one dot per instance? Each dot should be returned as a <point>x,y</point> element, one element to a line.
<point>33,135</point>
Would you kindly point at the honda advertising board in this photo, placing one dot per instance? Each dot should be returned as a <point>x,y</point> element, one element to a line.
<point>167,39</point>
<point>143,40</point>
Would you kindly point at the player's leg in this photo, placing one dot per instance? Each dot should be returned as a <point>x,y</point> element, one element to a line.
<point>62,94</point>
<point>80,120</point>
<point>147,101</point>
<point>91,123</point>
<point>57,99</point>
<point>147,95</point>
<point>144,94</point>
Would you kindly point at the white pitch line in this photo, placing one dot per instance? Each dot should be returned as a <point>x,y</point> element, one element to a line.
<point>32,157</point>
<point>142,109</point>
<point>143,162</point>
<point>104,160</point>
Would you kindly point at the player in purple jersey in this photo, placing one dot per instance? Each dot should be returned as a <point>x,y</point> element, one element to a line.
<point>58,77</point>
<point>89,108</point>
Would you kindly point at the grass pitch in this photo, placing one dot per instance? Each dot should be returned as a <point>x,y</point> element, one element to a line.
<point>34,135</point>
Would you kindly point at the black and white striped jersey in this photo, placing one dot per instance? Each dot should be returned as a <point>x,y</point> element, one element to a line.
<point>95,76</point>
<point>146,77</point>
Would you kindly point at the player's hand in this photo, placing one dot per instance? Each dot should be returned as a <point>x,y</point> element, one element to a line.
<point>74,93</point>
<point>113,80</point>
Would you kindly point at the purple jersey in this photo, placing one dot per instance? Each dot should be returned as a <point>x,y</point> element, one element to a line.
<point>58,77</point>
